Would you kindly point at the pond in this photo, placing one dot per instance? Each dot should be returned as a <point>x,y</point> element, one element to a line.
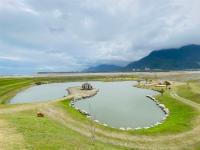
<point>118,104</point>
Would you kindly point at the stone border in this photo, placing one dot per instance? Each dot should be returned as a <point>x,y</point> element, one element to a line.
<point>88,115</point>
<point>77,98</point>
<point>162,107</point>
<point>82,96</point>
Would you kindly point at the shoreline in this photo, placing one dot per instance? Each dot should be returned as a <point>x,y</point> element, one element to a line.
<point>76,93</point>
<point>79,94</point>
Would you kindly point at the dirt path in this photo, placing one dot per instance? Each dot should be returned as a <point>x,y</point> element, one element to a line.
<point>195,87</point>
<point>186,140</point>
<point>186,101</point>
<point>10,139</point>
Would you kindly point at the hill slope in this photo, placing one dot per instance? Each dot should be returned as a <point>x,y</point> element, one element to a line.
<point>187,57</point>
<point>104,68</point>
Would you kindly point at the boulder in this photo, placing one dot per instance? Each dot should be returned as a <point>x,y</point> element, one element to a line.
<point>138,128</point>
<point>39,114</point>
<point>97,121</point>
<point>146,127</point>
<point>105,125</point>
<point>122,129</point>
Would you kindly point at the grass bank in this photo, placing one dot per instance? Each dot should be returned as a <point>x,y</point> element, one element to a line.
<point>191,90</point>
<point>45,133</point>
<point>9,87</point>
<point>179,120</point>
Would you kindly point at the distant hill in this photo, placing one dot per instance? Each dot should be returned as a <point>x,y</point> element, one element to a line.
<point>104,68</point>
<point>184,58</point>
<point>187,57</point>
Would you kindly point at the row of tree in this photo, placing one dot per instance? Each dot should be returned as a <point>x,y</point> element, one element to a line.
<point>166,83</point>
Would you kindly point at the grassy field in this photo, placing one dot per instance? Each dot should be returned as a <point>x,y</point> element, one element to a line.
<point>68,129</point>
<point>180,119</point>
<point>191,90</point>
<point>10,86</point>
<point>45,133</point>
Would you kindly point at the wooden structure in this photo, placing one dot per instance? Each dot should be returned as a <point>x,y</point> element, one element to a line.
<point>87,86</point>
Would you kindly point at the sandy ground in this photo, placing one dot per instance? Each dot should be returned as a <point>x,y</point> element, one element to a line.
<point>171,74</point>
<point>78,93</point>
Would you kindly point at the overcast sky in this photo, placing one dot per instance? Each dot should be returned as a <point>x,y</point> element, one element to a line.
<point>70,35</point>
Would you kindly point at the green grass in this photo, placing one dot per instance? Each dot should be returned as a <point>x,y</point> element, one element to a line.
<point>179,120</point>
<point>64,104</point>
<point>188,92</point>
<point>9,87</point>
<point>45,133</point>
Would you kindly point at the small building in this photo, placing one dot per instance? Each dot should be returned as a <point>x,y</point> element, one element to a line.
<point>87,86</point>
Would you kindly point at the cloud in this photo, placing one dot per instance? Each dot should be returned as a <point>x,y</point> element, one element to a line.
<point>10,58</point>
<point>57,13</point>
<point>16,6</point>
<point>69,35</point>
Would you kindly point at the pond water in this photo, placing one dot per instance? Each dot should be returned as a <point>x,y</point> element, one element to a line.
<point>118,104</point>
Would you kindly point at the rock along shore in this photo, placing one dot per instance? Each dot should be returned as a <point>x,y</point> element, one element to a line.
<point>77,94</point>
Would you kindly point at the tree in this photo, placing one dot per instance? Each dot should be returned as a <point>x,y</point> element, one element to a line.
<point>138,82</point>
<point>150,81</point>
<point>167,83</point>
<point>162,91</point>
<point>146,80</point>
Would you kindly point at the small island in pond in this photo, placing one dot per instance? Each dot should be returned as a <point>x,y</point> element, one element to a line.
<point>84,91</point>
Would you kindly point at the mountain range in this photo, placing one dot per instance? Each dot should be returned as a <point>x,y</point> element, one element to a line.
<point>104,68</point>
<point>184,58</point>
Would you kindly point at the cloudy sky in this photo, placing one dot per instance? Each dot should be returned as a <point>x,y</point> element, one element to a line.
<point>70,35</point>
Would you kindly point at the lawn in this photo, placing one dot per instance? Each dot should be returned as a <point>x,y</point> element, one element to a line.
<point>179,120</point>
<point>9,87</point>
<point>47,133</point>
<point>190,91</point>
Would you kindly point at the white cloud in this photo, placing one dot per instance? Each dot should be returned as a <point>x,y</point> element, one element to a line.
<point>13,5</point>
<point>10,58</point>
<point>57,13</point>
<point>88,23</point>
<point>70,35</point>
